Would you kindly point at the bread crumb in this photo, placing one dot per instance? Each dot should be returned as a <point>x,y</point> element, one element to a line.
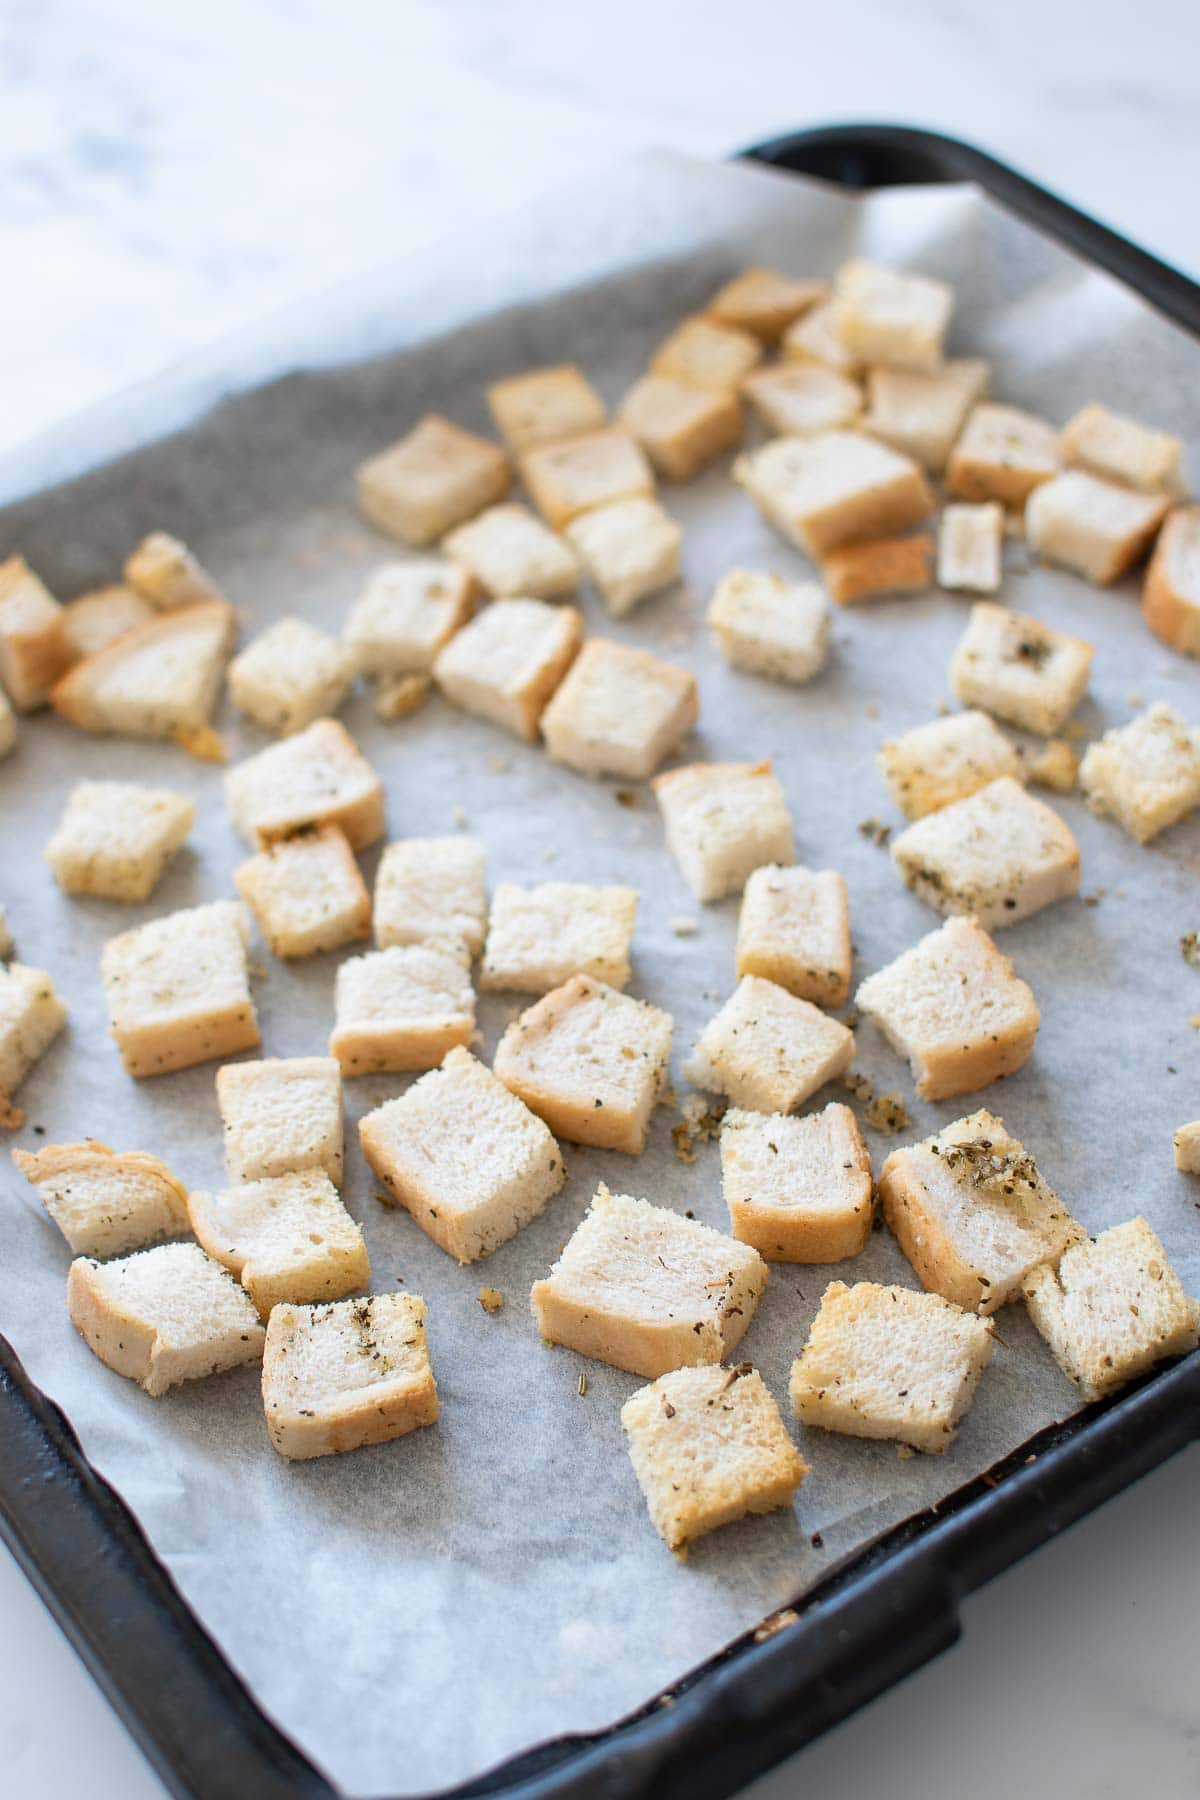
<point>1134,699</point>
<point>875,831</point>
<point>777,1622</point>
<point>458,818</point>
<point>625,796</point>
<point>396,696</point>
<point>582,1388</point>
<point>888,1113</point>
<point>500,765</point>
<point>860,1086</point>
<point>905,1451</point>
<point>491,1299</point>
<point>683,927</point>
<point>1189,946</point>
<point>204,743</point>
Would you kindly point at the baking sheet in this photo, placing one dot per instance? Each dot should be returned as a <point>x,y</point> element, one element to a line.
<point>414,1613</point>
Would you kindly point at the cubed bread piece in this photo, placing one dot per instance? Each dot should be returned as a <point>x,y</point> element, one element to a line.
<point>1113,1308</point>
<point>406,613</point>
<point>679,425</point>
<point>770,626</point>
<point>106,1202</point>
<point>569,478</point>
<point>972,1213</point>
<point>280,1116</point>
<point>933,765</point>
<point>291,674</point>
<point>340,1376</point>
<point>8,725</point>
<point>706,354</point>
<point>722,820</point>
<point>630,550</point>
<point>1000,854</point>
<point>1003,454</point>
<point>955,1007</point>
<point>31,1017</point>
<point>99,618</point>
<point>768,1050</point>
<point>317,777</point>
<point>923,414</point>
<point>115,838</point>
<point>1020,670</point>
<point>1094,527</point>
<point>403,1007</point>
<point>1119,449</point>
<point>832,488</point>
<point>1187,1148</point>
<point>307,893</point>
<point>1171,590</point>
<point>591,1062</point>
<point>765,302</point>
<point>159,680</point>
<point>1055,766</point>
<point>287,1239</point>
<point>813,338</point>
<point>464,1156</point>
<point>891,316</point>
<point>163,1316</point>
<point>644,1289</point>
<point>508,661</point>
<point>538,937</point>
<point>970,548</point>
<point>799,1190</point>
<point>431,480</point>
<point>510,552</point>
<point>884,1362</point>
<point>178,989</point>
<point>901,565</point>
<point>1146,774</point>
<point>165,573</point>
<point>431,888</point>
<point>798,399</point>
<point>620,711</point>
<point>35,645</point>
<point>794,930</point>
<point>544,405</point>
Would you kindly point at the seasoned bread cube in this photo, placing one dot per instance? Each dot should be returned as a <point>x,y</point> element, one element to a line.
<point>1145,774</point>
<point>768,1050</point>
<point>568,478</point>
<point>970,548</point>
<point>538,937</point>
<point>280,1116</point>
<point>591,1062</point>
<point>680,426</point>
<point>507,662</point>
<point>307,893</point>
<point>35,644</point>
<point>722,820</point>
<point>106,1202</point>
<point>317,777</point>
<point>1020,670</point>
<point>1055,766</point>
<point>286,1239</point>
<point>1113,1308</point>
<point>463,1155</point>
<point>794,930</point>
<point>341,1376</point>
<point>433,479</point>
<point>163,1316</point>
<point>99,618</point>
<point>159,680</point>
<point>923,414</point>
<point>406,613</point>
<point>902,565</point>
<point>178,989</point>
<point>799,1190</point>
<point>1119,449</point>
<point>770,626</point>
<point>827,490</point>
<point>643,1289</point>
<point>510,552</point>
<point>544,405</point>
<point>8,725</point>
<point>620,711</point>
<point>165,573</point>
<point>290,675</point>
<point>431,888</point>
<point>1003,454</point>
<point>116,838</point>
<point>765,302</point>
<point>798,399</point>
<point>31,1017</point>
<point>1000,854</point>
<point>403,1007</point>
<point>891,316</point>
<point>933,765</point>
<point>955,1007</point>
<point>971,1212</point>
<point>1187,1148</point>
<point>813,338</point>
<point>883,1362</point>
<point>1171,590</point>
<point>630,550</point>
<point>706,354</point>
<point>1092,526</point>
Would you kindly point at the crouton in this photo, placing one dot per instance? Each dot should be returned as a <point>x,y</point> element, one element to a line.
<point>706,354</point>
<point>794,930</point>
<point>406,613</point>
<point>431,888</point>
<point>902,565</point>
<point>1146,774</point>
<point>115,838</point>
<point>510,552</point>
<point>8,725</point>
<point>933,765</point>
<point>770,626</point>
<point>31,1017</point>
<point>630,550</point>
<point>1024,672</point>
<point>341,1376</point>
<point>1003,454</point>
<point>317,777</point>
<point>281,1116</point>
<point>403,1007</point>
<point>767,1050</point>
<point>1119,449</point>
<point>100,617</point>
<point>1055,766</point>
<point>1000,854</point>
<point>891,316</point>
<point>432,480</point>
<point>307,893</point>
<point>292,674</point>
<point>164,572</point>
<point>923,414</point>
<point>464,1156</point>
<point>569,478</point>
<point>1092,526</point>
<point>723,820</point>
<point>1187,1148</point>
<point>159,680</point>
<point>178,989</point>
<point>538,937</point>
<point>106,1202</point>
<point>799,1190</point>
<point>1171,590</point>
<point>544,405</point>
<point>620,711</point>
<point>680,426</point>
<point>813,338</point>
<point>798,399</point>
<point>35,645</point>
<point>970,548</point>
<point>765,302</point>
<point>830,489</point>
<point>505,665</point>
<point>287,1239</point>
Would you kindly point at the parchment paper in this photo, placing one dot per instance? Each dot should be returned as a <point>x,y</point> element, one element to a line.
<point>414,1613</point>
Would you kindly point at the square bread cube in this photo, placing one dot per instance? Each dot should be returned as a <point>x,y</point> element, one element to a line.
<point>708,1447</point>
<point>8,725</point>
<point>106,1202</point>
<point>115,838</point>
<point>1000,854</point>
<point>35,645</point>
<point>569,478</point>
<point>799,1190</point>
<point>431,888</point>
<point>1146,774</point>
<point>798,399</point>
<point>1187,1148</point>
<point>290,675</point>
<point>406,613</point>
<point>620,711</point>
<point>163,1316</point>
<point>770,626</point>
<point>767,1050</point>
<point>159,680</point>
<point>317,777</point>
<point>955,1008</point>
<point>345,1375</point>
<point>281,1115</point>
<point>630,550</point>
<point>510,552</point>
<point>463,1155</point>
<point>165,573</point>
<point>430,481</point>
<point>403,1007</point>
<point>923,414</point>
<point>1113,1308</point>
<point>706,354</point>
<point>794,930</point>
<point>891,316</point>
<point>544,405</point>
<point>814,338</point>
<point>307,893</point>
<point>286,1239</point>
<point>722,820</point>
<point>902,565</point>
<point>98,618</point>
<point>1020,670</point>
<point>31,1017</point>
<point>884,1362</point>
<point>646,1290</point>
<point>971,1212</point>
<point>971,548</point>
<point>1003,454</point>
<point>178,989</point>
<point>507,662</point>
<point>680,426</point>
<point>933,765</point>
<point>538,937</point>
<point>765,302</point>
<point>1092,526</point>
<point>832,488</point>
<point>1171,590</point>
<point>1121,450</point>
<point>591,1062</point>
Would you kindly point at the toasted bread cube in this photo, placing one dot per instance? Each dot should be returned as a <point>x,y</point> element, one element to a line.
<point>591,1062</point>
<point>99,618</point>
<point>116,838</point>
<point>1000,854</point>
<point>799,1190</point>
<point>164,572</point>
<point>307,893</point>
<point>829,489</point>
<point>770,626</point>
<point>813,338</point>
<point>1187,1148</point>
<point>722,820</point>
<point>544,405</point>
<point>510,552</point>
<point>630,549</point>
<point>902,565</point>
<point>1119,449</point>
<point>403,1007</point>
<point>287,1239</point>
<point>1094,527</point>
<point>1113,1308</point>
<point>1020,670</point>
<point>8,725</point>
<point>955,1007</point>
<point>464,1156</point>
<point>280,1116</point>
<point>1146,774</point>
<point>538,937</point>
<point>1171,590</point>
<point>178,989</point>
<point>163,1316</point>
<point>970,548</point>
<point>620,711</point>
<point>290,675</point>
<point>159,680</point>
<point>342,1376</point>
<point>707,355</point>
<point>680,426</point>
<point>643,1289</point>
<point>431,888</point>
<point>1003,454</point>
<point>568,478</point>
<point>891,316</point>
<point>972,1213</point>
<point>765,302</point>
<point>767,1050</point>
<point>106,1202</point>
<point>923,414</point>
<point>933,765</point>
<point>794,930</point>
<point>508,661</point>
<point>35,644</point>
<point>317,777</point>
<point>798,399</point>
<point>1055,766</point>
<point>433,479</point>
<point>883,1362</point>
<point>31,1017</point>
<point>406,613</point>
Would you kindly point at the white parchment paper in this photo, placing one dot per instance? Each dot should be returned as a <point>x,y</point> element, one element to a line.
<point>414,1613</point>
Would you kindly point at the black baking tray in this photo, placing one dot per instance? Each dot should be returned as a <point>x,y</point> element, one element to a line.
<point>877,1618</point>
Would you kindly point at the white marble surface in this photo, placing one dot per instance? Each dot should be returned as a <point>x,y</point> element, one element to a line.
<point>169,172</point>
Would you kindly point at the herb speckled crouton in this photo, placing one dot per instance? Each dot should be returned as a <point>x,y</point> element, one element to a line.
<point>116,838</point>
<point>799,1190</point>
<point>769,626</point>
<point>723,820</point>
<point>1092,526</point>
<point>538,937</point>
<point>505,665</point>
<point>317,777</point>
<point>630,550</point>
<point>178,989</point>
<point>921,414</point>
<point>679,425</point>
<point>891,316</point>
<point>1020,670</point>
<point>1119,449</point>
<point>160,680</point>
<point>406,613</point>
<point>832,488</point>
<point>341,1376</point>
<point>286,1239</point>
<point>620,711</point>
<point>1145,774</point>
<point>403,1007</point>
<point>1003,454</point>
<point>794,929</point>
<point>568,478</point>
<point>291,674</point>
<point>544,405</point>
<point>1000,854</point>
<point>431,888</point>
<point>768,1050</point>
<point>307,893</point>
<point>933,765</point>
<point>431,480</point>
<point>280,1115</point>
<point>510,553</point>
<point>106,1202</point>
